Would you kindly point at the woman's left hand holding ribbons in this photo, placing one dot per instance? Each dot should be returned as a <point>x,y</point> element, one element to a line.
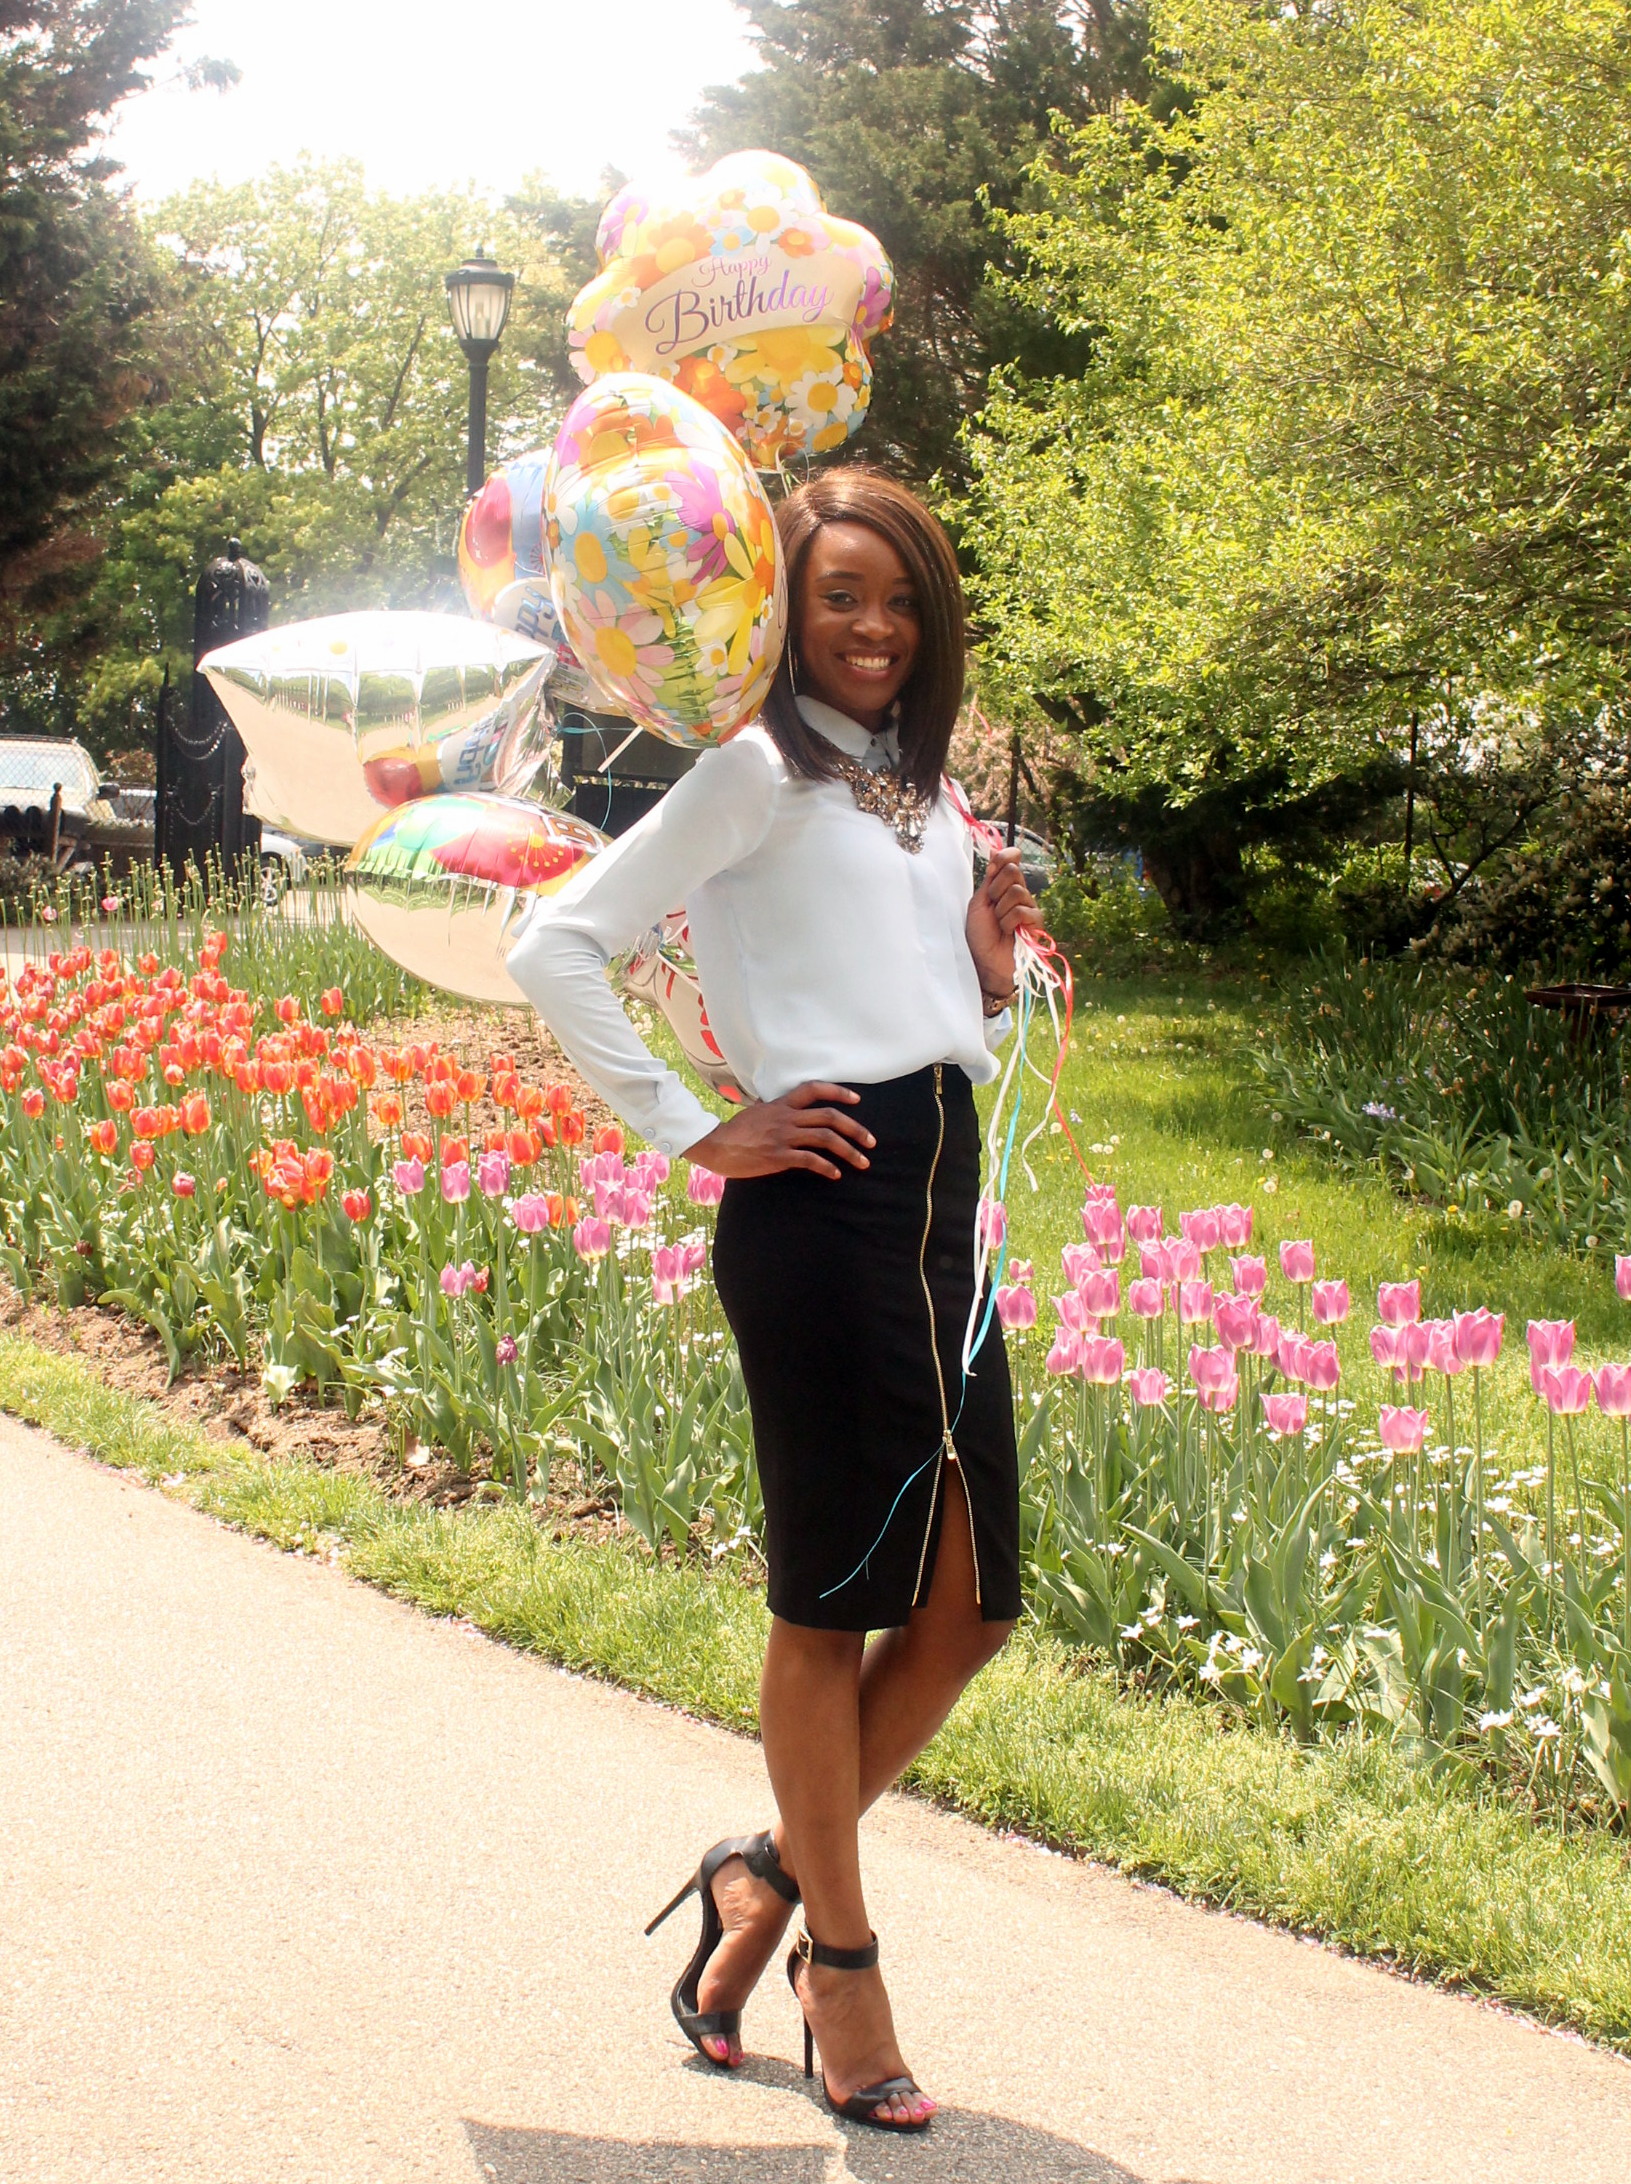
<point>1001,906</point>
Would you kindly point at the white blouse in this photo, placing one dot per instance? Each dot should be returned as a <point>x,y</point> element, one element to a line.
<point>824,949</point>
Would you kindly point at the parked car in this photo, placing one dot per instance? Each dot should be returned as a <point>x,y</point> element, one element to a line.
<point>55,804</point>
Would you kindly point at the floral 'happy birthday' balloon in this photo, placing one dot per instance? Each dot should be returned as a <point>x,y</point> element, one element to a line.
<point>747,294</point>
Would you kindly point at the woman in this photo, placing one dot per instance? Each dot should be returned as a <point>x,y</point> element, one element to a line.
<point>859,986</point>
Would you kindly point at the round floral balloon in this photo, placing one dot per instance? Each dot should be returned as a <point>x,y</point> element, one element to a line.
<point>664,562</point>
<point>747,294</point>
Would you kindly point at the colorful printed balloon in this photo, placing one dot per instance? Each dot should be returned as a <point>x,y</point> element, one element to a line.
<point>501,535</point>
<point>442,885</point>
<point>664,562</point>
<point>317,703</point>
<point>747,294</point>
<point>659,969</point>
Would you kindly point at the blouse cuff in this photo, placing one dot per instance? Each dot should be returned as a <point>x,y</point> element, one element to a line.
<point>997,1029</point>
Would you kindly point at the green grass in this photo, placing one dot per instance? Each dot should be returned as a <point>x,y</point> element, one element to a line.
<point>1350,1841</point>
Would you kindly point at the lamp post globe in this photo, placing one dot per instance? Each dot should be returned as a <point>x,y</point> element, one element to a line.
<point>478,300</point>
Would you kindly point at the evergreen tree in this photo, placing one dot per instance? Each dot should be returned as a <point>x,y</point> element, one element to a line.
<point>920,119</point>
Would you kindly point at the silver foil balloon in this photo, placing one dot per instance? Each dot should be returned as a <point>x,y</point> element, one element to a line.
<point>443,883</point>
<point>318,702</point>
<point>659,969</point>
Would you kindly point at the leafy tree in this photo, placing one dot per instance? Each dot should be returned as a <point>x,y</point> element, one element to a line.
<point>919,118</point>
<point>323,423</point>
<point>1352,440</point>
<point>76,283</point>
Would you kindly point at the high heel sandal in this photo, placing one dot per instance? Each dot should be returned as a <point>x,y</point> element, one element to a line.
<point>863,2104</point>
<point>758,1854</point>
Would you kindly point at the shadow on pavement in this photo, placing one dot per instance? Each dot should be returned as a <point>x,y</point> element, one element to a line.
<point>963,2146</point>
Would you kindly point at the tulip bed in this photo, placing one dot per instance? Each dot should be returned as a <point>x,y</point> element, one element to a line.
<point>1205,1502</point>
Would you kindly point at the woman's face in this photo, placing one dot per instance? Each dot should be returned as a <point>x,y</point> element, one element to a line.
<point>855,622</point>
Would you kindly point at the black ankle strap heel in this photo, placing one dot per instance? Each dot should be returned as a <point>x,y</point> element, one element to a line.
<point>758,1854</point>
<point>863,2105</point>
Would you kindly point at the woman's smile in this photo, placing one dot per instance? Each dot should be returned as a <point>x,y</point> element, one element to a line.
<point>858,629</point>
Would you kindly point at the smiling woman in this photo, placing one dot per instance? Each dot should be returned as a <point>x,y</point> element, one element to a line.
<point>858,983</point>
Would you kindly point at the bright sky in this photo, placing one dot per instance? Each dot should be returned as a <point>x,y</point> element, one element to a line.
<point>434,94</point>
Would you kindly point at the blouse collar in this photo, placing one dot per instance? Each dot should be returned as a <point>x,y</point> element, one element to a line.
<point>874,751</point>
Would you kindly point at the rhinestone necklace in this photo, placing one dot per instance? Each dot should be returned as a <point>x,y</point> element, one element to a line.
<point>903,809</point>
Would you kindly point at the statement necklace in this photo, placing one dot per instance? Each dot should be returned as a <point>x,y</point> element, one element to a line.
<point>903,809</point>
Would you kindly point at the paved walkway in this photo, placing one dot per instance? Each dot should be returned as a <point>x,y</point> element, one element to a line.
<point>300,1887</point>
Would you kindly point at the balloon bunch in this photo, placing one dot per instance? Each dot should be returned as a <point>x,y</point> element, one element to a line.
<point>632,570</point>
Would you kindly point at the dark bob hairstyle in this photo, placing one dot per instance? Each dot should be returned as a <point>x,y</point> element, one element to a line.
<point>934,689</point>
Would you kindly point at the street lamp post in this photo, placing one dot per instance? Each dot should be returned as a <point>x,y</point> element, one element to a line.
<point>478,297</point>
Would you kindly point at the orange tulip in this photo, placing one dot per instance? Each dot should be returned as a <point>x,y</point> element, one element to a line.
<point>288,1010</point>
<point>387,1108</point>
<point>103,1137</point>
<point>441,1099</point>
<point>455,1148</point>
<point>572,1125</point>
<point>332,1002</point>
<point>195,1114</point>
<point>558,1098</point>
<point>33,1104</point>
<point>416,1145</point>
<point>142,1157</point>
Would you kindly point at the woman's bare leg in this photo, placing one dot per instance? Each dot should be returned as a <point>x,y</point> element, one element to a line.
<point>839,1726</point>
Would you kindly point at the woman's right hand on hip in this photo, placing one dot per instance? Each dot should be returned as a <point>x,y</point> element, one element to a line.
<point>806,1128</point>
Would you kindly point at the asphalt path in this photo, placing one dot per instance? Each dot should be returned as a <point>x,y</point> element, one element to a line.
<point>298,1886</point>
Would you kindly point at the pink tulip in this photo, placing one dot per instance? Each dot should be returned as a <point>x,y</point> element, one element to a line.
<point>409,1177</point>
<point>506,1350</point>
<point>1402,1431</point>
<point>1147,1386</point>
<point>1234,1226</point>
<point>1236,1321</point>
<point>1551,1342</point>
<point>1322,1368</point>
<point>1079,1261</point>
<point>703,1187</point>
<point>1066,1354</point>
<point>1177,1259</point>
<point>1622,1277</point>
<point>695,1257</point>
<point>1099,1194</point>
<point>183,1184</point>
<point>991,1224</point>
<point>1144,1224</point>
<point>1297,1262</point>
<point>1144,1298</point>
<point>1251,1276</point>
<point>1101,1294</point>
<point>1221,1398</point>
<point>1016,1307</point>
<point>1149,1262</point>
<point>457,1281</point>
<point>1566,1389</point>
<point>668,1273</point>
<point>1401,1350</point>
<point>1441,1352</point>
<point>1020,1270</point>
<point>1330,1302</point>
<point>1291,1358</point>
<point>1478,1336</point>
<point>456,1182</point>
<point>1613,1385</point>
<point>492,1174</point>
<point>1102,1360</point>
<point>1398,1302</point>
<point>1265,1340</point>
<point>1101,1222</point>
<point>1074,1314</point>
<point>530,1213</point>
<point>648,1170</point>
<point>592,1238</point>
<point>622,1202</point>
<point>1201,1227</point>
<point>1210,1368</point>
<point>1194,1303</point>
<point>1285,1413</point>
<point>596,1168</point>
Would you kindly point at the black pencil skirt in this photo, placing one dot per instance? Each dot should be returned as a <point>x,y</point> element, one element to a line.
<point>849,1301</point>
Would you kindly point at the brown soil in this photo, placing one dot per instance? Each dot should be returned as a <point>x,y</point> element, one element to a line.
<point>232,1406</point>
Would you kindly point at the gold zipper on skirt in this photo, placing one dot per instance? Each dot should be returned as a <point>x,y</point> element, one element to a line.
<point>948,1447</point>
